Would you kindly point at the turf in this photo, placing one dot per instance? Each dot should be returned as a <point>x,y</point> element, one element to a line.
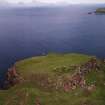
<point>26,93</point>
<point>47,64</point>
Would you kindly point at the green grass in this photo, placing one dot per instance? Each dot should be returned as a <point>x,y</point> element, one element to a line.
<point>18,95</point>
<point>47,64</point>
<point>27,92</point>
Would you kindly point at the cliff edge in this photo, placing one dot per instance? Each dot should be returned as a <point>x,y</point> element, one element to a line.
<point>55,79</point>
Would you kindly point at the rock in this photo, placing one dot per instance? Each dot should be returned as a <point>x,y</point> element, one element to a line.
<point>89,13</point>
<point>11,78</point>
<point>91,88</point>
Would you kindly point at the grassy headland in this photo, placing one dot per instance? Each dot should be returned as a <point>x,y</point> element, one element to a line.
<point>42,79</point>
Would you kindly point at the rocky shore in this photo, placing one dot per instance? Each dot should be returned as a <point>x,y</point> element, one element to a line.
<point>11,78</point>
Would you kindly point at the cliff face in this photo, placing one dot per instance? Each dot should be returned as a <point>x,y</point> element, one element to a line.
<point>11,78</point>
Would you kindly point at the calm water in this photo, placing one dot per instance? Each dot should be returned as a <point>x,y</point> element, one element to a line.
<point>27,32</point>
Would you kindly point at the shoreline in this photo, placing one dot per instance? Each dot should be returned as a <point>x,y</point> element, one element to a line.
<point>68,77</point>
<point>12,72</point>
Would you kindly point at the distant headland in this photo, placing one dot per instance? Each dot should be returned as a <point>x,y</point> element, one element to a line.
<point>100,10</point>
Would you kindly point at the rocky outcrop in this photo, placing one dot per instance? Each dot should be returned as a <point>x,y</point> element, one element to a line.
<point>78,78</point>
<point>11,78</point>
<point>66,82</point>
<point>90,13</point>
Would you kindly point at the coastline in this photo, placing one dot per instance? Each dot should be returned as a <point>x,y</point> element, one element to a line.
<point>61,76</point>
<point>13,77</point>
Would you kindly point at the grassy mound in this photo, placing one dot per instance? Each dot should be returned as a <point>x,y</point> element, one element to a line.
<point>54,66</point>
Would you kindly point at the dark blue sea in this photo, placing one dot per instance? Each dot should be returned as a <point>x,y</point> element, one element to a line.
<point>27,32</point>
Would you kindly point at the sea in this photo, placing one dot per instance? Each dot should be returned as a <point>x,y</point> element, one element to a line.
<point>34,31</point>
